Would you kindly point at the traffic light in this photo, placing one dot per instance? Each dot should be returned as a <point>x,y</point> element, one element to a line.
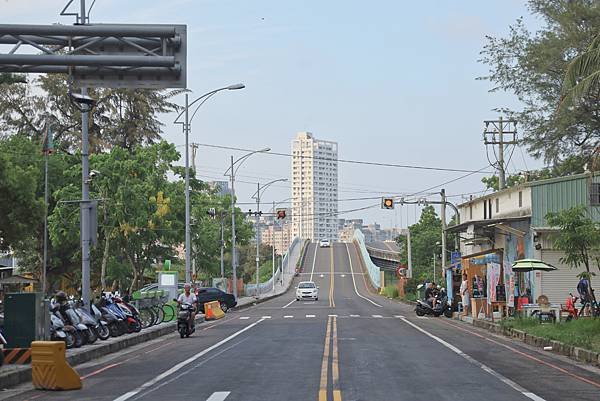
<point>280,214</point>
<point>387,203</point>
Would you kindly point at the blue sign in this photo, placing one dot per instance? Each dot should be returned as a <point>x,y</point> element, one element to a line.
<point>455,260</point>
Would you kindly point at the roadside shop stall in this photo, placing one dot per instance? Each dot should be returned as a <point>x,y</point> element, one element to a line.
<point>486,283</point>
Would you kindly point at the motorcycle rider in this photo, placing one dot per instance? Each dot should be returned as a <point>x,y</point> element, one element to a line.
<point>189,297</point>
<point>430,294</point>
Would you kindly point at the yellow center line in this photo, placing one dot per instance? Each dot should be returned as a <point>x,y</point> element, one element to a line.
<point>325,364</point>
<point>331,283</point>
<point>335,372</point>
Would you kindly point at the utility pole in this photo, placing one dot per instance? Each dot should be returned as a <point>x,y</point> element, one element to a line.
<point>257,228</point>
<point>273,248</point>
<point>443,216</point>
<point>222,244</point>
<point>493,134</point>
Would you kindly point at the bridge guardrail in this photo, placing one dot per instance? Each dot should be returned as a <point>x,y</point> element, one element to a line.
<point>373,270</point>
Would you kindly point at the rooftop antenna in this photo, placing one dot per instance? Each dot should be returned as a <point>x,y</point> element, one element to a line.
<point>80,18</point>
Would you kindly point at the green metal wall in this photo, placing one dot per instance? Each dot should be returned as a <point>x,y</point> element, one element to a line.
<point>558,194</point>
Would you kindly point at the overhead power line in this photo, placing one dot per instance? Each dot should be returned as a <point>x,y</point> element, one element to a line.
<point>349,161</point>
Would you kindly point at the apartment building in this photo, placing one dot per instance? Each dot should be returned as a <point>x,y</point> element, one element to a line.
<point>314,187</point>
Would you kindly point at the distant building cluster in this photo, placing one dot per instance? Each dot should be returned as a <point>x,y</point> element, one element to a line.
<point>372,232</point>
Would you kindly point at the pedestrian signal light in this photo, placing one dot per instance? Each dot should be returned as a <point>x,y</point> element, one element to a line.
<point>387,203</point>
<point>281,214</point>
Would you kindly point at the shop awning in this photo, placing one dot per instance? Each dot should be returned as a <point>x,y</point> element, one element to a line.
<point>486,223</point>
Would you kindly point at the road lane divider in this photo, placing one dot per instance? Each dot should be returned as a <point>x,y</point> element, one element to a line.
<point>354,281</point>
<point>219,396</point>
<point>325,364</point>
<point>286,305</point>
<point>312,271</point>
<point>331,282</point>
<point>335,370</point>
<point>178,367</point>
<point>475,362</point>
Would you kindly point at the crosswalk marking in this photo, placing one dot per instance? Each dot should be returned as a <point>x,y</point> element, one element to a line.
<point>288,317</point>
<point>244,317</point>
<point>377,316</point>
<point>310,315</point>
<point>266,317</point>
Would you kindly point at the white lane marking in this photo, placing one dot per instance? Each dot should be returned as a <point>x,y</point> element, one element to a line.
<point>354,315</point>
<point>312,271</point>
<point>533,396</point>
<point>377,316</point>
<point>219,396</point>
<point>399,316</point>
<point>244,317</point>
<point>343,275</point>
<point>475,362</point>
<point>332,315</point>
<point>354,281</point>
<point>288,317</point>
<point>291,302</point>
<point>422,317</point>
<point>310,315</point>
<point>180,365</point>
<point>321,275</point>
<point>265,317</point>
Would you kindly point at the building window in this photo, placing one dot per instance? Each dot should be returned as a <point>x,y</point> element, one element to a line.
<point>520,198</point>
<point>595,194</point>
<point>497,205</point>
<point>471,212</point>
<point>485,210</point>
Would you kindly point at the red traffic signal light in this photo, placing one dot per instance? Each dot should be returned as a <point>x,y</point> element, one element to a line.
<point>387,203</point>
<point>281,214</point>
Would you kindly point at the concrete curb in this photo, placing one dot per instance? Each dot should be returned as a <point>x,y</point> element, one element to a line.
<point>576,353</point>
<point>20,374</point>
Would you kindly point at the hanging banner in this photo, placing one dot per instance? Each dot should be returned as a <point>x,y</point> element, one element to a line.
<point>509,284</point>
<point>493,278</point>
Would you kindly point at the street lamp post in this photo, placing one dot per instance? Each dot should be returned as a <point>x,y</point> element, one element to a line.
<point>257,197</point>
<point>186,130</point>
<point>232,170</point>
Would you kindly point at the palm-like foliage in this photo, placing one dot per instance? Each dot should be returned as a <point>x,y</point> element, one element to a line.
<point>583,74</point>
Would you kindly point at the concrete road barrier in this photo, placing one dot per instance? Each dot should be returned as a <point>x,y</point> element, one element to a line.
<point>49,367</point>
<point>213,311</point>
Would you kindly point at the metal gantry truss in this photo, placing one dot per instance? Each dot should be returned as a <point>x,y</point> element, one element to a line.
<point>103,55</point>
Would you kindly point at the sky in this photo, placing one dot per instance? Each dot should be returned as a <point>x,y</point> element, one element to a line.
<point>392,81</point>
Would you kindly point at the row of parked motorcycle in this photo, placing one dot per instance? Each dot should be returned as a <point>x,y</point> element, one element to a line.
<point>109,316</point>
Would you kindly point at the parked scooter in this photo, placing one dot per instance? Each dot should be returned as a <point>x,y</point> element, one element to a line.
<point>72,336</point>
<point>69,316</point>
<point>113,315</point>
<point>185,326</point>
<point>97,327</point>
<point>134,322</point>
<point>442,307</point>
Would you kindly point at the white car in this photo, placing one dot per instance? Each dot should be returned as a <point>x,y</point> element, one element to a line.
<point>324,243</point>
<point>307,290</point>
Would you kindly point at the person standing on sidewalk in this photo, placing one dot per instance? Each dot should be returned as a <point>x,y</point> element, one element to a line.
<point>464,293</point>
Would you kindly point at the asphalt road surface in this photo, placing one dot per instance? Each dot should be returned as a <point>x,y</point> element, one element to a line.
<point>348,345</point>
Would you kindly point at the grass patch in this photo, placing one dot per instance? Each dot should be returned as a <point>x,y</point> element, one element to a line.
<point>390,291</point>
<point>584,333</point>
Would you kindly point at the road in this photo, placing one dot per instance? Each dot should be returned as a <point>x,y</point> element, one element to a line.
<point>349,345</point>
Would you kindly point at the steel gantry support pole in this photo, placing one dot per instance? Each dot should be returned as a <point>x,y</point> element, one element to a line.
<point>222,245</point>
<point>188,240</point>
<point>257,237</point>
<point>233,253</point>
<point>273,248</point>
<point>443,216</point>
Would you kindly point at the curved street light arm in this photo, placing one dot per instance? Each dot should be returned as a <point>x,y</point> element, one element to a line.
<point>242,159</point>
<point>262,189</point>
<point>206,95</point>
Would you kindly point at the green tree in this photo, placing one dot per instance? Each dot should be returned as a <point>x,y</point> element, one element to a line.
<point>578,238</point>
<point>424,236</point>
<point>121,117</point>
<point>583,75</point>
<point>533,67</point>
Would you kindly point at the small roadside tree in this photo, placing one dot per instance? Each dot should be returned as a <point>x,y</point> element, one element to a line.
<point>578,238</point>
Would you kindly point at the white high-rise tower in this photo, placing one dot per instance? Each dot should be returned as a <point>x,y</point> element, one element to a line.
<point>314,187</point>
